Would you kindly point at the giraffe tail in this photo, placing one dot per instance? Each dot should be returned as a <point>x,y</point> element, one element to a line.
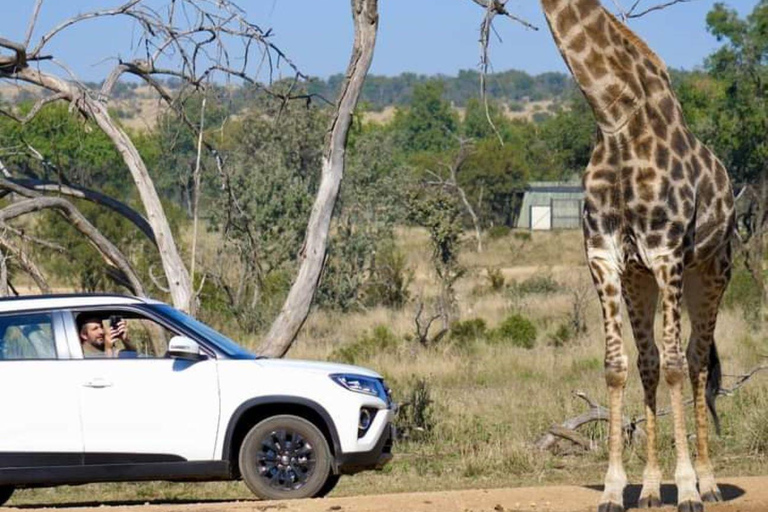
<point>714,380</point>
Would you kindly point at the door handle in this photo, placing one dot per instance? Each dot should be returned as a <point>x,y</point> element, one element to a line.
<point>98,383</point>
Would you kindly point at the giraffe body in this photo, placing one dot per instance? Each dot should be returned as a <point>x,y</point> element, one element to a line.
<point>657,222</point>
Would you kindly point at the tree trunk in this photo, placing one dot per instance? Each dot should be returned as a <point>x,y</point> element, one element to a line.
<point>296,307</point>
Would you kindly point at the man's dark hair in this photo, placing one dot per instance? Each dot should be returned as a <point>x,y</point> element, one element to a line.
<point>87,318</point>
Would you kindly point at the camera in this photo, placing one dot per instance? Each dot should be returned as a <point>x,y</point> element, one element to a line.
<point>114,320</point>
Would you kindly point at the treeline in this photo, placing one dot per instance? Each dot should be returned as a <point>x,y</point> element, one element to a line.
<point>507,87</point>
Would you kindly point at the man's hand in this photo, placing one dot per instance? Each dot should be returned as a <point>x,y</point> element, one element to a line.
<point>115,333</point>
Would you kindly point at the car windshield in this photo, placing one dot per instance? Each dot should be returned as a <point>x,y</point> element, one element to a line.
<point>226,345</point>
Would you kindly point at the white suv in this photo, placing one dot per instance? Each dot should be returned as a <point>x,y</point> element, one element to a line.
<point>186,403</point>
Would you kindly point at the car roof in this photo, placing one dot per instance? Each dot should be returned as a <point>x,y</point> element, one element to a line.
<point>73,300</point>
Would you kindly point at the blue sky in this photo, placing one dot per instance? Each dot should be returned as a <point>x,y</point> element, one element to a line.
<point>421,36</point>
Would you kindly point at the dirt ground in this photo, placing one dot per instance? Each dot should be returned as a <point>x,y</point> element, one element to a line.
<point>746,494</point>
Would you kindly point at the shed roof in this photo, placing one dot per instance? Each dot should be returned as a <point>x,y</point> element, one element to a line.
<point>562,187</point>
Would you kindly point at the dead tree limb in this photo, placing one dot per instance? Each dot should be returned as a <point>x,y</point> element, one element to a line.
<point>93,196</point>
<point>422,329</point>
<point>597,412</point>
<point>296,307</point>
<point>106,248</point>
<point>26,264</point>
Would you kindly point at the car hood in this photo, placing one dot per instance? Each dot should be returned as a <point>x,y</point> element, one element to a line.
<point>316,366</point>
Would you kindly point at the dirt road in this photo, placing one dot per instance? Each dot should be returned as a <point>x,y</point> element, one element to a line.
<point>747,494</point>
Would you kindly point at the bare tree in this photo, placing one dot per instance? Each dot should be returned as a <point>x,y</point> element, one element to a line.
<point>296,307</point>
<point>452,184</point>
<point>189,40</point>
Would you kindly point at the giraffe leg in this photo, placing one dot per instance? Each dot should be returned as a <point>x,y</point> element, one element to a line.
<point>669,276</point>
<point>641,295</point>
<point>704,287</point>
<point>608,283</point>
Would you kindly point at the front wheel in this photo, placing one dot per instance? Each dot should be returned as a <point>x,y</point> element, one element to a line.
<point>285,457</point>
<point>328,486</point>
<point>5,493</point>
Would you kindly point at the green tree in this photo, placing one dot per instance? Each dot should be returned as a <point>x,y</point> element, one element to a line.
<point>741,113</point>
<point>428,124</point>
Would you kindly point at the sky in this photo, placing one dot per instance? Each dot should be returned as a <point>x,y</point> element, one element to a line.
<point>420,36</point>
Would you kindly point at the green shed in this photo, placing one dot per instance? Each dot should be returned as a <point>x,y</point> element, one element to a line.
<point>551,205</point>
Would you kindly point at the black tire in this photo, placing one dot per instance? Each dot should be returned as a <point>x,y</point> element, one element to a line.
<point>284,458</point>
<point>5,493</point>
<point>328,486</point>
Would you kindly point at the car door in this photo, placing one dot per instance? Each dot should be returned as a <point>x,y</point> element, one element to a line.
<point>40,421</point>
<point>148,408</point>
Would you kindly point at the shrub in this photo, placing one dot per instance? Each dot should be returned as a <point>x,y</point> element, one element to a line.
<point>543,285</point>
<point>522,236</point>
<point>390,278</point>
<point>517,330</point>
<point>469,330</point>
<point>381,339</point>
<point>499,231</point>
<point>495,279</point>
<point>416,419</point>
<point>562,335</point>
<point>743,293</point>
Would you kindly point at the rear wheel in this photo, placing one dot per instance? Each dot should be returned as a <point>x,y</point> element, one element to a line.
<point>5,493</point>
<point>285,457</point>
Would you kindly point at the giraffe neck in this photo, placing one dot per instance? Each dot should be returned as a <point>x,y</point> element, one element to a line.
<point>612,66</point>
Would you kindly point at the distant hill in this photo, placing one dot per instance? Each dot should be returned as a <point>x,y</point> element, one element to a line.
<point>508,86</point>
<point>523,95</point>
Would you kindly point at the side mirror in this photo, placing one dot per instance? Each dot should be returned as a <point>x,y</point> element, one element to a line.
<point>181,347</point>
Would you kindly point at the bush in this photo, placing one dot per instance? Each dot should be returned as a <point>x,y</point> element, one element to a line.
<point>562,335</point>
<point>381,339</point>
<point>469,330</point>
<point>743,293</point>
<point>499,231</point>
<point>390,278</point>
<point>522,236</point>
<point>543,285</point>
<point>517,330</point>
<point>495,279</point>
<point>415,419</point>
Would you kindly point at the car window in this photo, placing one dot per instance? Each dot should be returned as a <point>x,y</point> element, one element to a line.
<point>143,337</point>
<point>27,336</point>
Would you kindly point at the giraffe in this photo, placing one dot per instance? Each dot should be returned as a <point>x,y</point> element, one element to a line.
<point>657,222</point>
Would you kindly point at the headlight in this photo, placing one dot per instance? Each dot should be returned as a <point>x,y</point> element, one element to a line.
<point>361,384</point>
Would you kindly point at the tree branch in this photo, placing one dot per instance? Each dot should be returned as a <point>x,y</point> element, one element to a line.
<point>106,248</point>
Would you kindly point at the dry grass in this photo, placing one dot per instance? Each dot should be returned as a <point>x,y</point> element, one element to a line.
<point>492,400</point>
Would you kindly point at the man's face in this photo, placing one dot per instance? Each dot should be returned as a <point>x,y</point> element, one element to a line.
<point>92,333</point>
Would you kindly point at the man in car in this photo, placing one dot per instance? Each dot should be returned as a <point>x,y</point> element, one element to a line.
<point>99,342</point>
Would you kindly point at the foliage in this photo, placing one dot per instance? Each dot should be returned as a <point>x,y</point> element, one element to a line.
<point>562,335</point>
<point>469,330</point>
<point>495,279</point>
<point>381,339</point>
<point>364,268</point>
<point>509,86</point>
<point>390,278</point>
<point>416,418</point>
<point>428,124</point>
<point>517,331</point>
<point>439,213</point>
<point>744,294</point>
<point>538,284</point>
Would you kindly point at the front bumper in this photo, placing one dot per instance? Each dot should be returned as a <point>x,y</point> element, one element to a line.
<point>377,458</point>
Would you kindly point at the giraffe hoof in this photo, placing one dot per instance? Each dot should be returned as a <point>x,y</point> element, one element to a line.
<point>610,507</point>
<point>712,496</point>
<point>649,502</point>
<point>690,506</point>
